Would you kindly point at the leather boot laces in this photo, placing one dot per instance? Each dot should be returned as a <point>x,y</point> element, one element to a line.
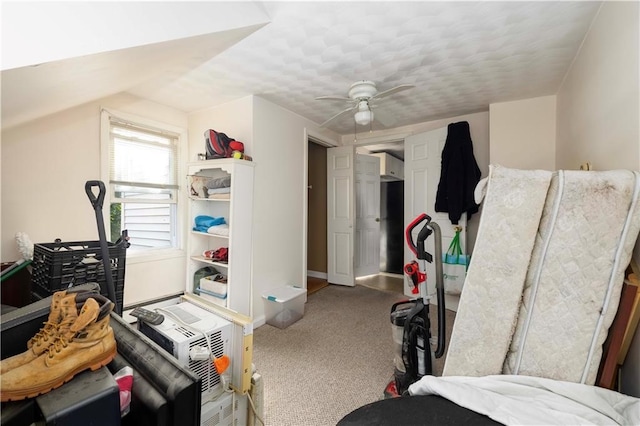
<point>49,330</point>
<point>58,345</point>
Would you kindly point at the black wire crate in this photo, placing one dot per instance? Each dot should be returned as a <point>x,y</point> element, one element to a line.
<point>59,265</point>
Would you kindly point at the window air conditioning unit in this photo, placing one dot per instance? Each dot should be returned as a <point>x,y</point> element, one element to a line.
<point>190,334</point>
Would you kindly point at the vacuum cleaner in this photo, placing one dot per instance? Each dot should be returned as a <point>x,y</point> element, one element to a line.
<point>410,325</point>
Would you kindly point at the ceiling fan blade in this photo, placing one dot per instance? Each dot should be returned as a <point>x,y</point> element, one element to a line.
<point>333,98</point>
<point>340,114</point>
<point>384,118</point>
<point>392,91</point>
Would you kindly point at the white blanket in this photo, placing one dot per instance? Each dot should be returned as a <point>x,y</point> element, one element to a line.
<point>526,400</point>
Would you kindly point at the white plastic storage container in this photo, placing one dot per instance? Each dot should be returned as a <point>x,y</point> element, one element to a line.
<point>284,305</point>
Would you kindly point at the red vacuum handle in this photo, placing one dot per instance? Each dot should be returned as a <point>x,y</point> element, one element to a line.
<point>412,225</point>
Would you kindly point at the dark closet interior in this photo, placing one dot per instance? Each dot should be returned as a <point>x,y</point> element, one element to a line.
<point>391,226</point>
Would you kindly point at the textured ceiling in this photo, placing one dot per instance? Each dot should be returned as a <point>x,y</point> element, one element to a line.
<point>461,56</point>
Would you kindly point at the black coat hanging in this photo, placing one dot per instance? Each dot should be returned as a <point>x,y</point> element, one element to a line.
<point>459,174</point>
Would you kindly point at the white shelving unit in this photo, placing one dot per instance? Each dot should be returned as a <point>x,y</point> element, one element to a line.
<point>237,210</point>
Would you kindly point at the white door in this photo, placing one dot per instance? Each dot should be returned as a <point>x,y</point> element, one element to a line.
<point>422,164</point>
<point>367,237</point>
<point>340,215</point>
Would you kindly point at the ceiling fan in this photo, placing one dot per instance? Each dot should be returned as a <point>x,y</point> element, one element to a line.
<point>362,95</point>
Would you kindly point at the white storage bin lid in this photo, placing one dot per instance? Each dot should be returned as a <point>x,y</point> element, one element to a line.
<point>283,294</point>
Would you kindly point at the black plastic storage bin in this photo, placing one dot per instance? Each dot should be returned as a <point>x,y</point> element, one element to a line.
<point>58,265</point>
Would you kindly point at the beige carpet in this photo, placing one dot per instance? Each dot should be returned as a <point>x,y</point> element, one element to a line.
<point>335,359</point>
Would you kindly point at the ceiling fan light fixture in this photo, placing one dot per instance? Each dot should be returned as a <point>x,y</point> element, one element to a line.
<point>362,95</point>
<point>364,117</point>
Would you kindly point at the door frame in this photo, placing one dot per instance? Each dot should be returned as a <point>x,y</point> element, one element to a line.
<point>383,140</point>
<point>309,136</point>
<point>315,137</point>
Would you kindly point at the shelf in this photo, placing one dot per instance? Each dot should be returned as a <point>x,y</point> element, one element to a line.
<point>224,200</point>
<point>209,261</point>
<point>206,234</point>
<point>235,209</point>
<point>226,164</point>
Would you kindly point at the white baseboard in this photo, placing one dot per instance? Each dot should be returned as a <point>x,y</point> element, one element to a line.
<point>316,274</point>
<point>259,321</point>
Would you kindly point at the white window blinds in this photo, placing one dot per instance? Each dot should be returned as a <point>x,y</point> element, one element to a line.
<point>143,163</point>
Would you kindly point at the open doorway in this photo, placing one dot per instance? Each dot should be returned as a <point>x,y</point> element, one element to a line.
<point>391,156</point>
<point>388,275</point>
<point>316,216</point>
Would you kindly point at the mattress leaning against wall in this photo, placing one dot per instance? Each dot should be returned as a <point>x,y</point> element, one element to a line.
<point>551,320</point>
<point>492,291</point>
<point>589,227</point>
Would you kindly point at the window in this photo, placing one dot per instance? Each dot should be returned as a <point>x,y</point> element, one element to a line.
<point>143,184</point>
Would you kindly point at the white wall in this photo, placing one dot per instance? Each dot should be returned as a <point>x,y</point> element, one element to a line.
<point>94,27</point>
<point>598,110</point>
<point>479,129</point>
<point>598,103</point>
<point>523,133</point>
<point>235,119</point>
<point>279,249</point>
<point>45,164</point>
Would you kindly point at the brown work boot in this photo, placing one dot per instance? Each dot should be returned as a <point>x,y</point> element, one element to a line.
<point>64,309</point>
<point>89,343</point>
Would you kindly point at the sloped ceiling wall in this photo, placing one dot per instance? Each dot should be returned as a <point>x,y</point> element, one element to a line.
<point>130,43</point>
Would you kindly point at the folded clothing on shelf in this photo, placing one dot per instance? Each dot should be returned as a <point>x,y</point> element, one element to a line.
<point>219,230</point>
<point>226,190</point>
<point>219,193</point>
<point>225,196</point>
<point>223,182</point>
<point>203,222</point>
<point>219,255</point>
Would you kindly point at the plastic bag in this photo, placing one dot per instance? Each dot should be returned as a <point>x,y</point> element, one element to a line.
<point>454,267</point>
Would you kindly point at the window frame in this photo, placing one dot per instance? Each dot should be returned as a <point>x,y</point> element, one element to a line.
<point>154,254</point>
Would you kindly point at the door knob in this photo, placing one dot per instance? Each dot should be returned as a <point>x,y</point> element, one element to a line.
<point>377,219</point>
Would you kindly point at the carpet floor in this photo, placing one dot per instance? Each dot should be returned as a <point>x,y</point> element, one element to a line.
<point>337,358</point>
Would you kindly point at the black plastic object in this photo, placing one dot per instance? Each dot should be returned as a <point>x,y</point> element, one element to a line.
<point>96,202</point>
<point>79,401</point>
<point>19,413</point>
<point>415,410</point>
<point>147,316</point>
<point>439,289</point>
<point>61,264</point>
<point>148,407</point>
<point>179,385</point>
<point>399,311</point>
<point>418,247</point>
<point>413,316</point>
